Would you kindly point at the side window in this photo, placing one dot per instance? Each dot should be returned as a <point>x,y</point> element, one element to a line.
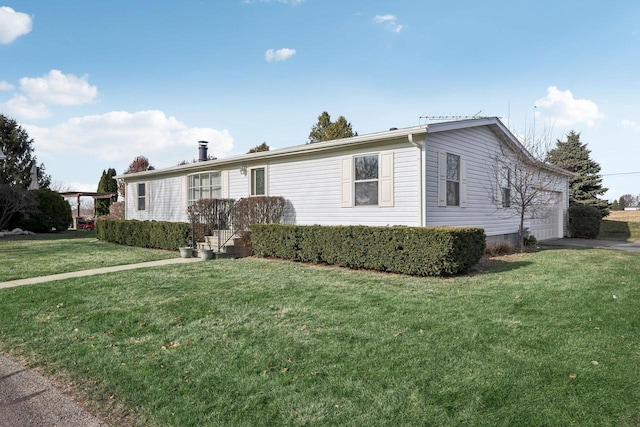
<point>142,196</point>
<point>505,187</point>
<point>366,180</point>
<point>258,182</point>
<point>453,180</point>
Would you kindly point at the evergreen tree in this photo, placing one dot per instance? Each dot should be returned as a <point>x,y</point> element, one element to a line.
<point>17,148</point>
<point>586,187</point>
<point>259,148</point>
<point>326,130</point>
<point>107,184</point>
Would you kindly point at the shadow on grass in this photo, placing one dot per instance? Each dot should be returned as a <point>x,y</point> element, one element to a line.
<point>65,235</point>
<point>619,230</point>
<point>499,264</point>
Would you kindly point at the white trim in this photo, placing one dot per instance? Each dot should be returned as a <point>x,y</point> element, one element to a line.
<point>346,181</point>
<point>442,178</point>
<point>224,182</point>
<point>385,179</point>
<point>463,183</point>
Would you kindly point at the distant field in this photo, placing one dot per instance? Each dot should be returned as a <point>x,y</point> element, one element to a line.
<point>627,216</point>
<point>621,225</point>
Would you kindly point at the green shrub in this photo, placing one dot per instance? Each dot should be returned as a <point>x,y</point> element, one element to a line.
<point>52,214</point>
<point>584,221</point>
<point>423,251</point>
<point>144,234</point>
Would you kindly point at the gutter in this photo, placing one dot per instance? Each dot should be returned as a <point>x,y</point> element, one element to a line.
<point>419,143</point>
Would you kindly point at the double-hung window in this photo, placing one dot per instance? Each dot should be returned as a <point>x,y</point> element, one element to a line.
<point>258,182</point>
<point>366,180</point>
<point>453,180</point>
<point>206,185</point>
<point>142,196</point>
<point>505,187</point>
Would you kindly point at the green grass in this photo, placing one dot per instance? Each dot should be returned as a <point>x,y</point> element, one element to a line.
<point>44,254</point>
<point>549,338</point>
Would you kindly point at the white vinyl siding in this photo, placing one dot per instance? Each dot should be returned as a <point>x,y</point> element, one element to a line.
<point>475,146</point>
<point>319,188</point>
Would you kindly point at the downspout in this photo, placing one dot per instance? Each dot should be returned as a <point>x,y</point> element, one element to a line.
<point>419,144</point>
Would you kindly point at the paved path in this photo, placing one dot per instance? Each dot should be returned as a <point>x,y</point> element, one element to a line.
<point>28,399</point>
<point>95,271</point>
<point>587,243</point>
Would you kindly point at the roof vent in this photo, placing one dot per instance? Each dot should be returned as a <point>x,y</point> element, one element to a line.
<point>393,128</point>
<point>202,151</point>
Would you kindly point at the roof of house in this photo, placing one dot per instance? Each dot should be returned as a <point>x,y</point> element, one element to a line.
<point>414,135</point>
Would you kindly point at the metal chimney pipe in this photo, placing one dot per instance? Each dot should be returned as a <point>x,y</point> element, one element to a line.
<point>202,151</point>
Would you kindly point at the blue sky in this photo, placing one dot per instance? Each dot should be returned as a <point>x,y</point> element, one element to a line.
<point>97,83</point>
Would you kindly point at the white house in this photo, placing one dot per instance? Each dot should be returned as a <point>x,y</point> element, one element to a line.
<point>429,175</point>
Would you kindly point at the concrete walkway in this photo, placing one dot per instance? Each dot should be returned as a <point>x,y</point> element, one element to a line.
<point>95,271</point>
<point>27,398</point>
<point>587,243</point>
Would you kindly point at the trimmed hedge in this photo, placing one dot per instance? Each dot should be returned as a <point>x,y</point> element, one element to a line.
<point>418,251</point>
<point>144,234</point>
<point>584,221</point>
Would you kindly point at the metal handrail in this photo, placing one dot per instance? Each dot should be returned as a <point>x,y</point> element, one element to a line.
<point>229,220</point>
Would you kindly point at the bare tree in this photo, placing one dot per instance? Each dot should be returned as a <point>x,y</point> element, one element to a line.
<point>524,185</point>
<point>14,200</point>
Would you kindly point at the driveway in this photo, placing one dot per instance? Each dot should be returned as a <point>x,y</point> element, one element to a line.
<point>588,243</point>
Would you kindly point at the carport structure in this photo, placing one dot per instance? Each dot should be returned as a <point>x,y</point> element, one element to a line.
<point>78,194</point>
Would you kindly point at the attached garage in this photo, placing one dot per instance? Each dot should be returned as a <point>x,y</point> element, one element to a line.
<point>551,226</point>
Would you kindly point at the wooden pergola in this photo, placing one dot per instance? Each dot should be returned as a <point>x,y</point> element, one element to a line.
<point>78,194</point>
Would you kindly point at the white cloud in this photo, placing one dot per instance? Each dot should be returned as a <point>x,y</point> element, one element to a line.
<point>57,88</point>
<point>5,86</point>
<point>13,24</point>
<point>25,108</point>
<point>390,22</point>
<point>121,136</point>
<point>54,88</point>
<point>279,55</point>
<point>565,110</point>
<point>630,124</point>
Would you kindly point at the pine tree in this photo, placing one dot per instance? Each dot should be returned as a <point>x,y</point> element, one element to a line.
<point>326,130</point>
<point>107,184</point>
<point>586,187</point>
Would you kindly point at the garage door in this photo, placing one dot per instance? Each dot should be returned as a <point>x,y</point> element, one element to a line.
<point>549,227</point>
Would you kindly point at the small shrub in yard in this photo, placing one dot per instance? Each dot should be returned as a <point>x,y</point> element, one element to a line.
<point>257,210</point>
<point>499,248</point>
<point>52,214</point>
<point>584,221</point>
<point>419,251</point>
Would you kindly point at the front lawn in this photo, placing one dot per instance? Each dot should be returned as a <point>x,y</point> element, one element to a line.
<point>44,254</point>
<point>550,338</point>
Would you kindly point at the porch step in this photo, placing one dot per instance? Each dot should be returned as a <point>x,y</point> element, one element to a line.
<point>234,248</point>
